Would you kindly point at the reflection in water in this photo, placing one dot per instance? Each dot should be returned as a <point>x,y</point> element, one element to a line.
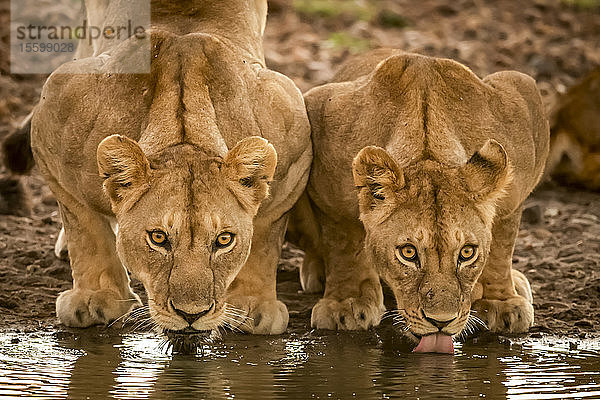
<point>99,359</point>
<point>97,364</point>
<point>37,367</point>
<point>552,371</point>
<point>142,362</point>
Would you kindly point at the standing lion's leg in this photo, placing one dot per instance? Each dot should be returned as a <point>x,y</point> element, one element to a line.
<point>303,230</point>
<point>506,302</point>
<point>312,273</point>
<point>254,289</point>
<point>353,296</point>
<point>101,291</point>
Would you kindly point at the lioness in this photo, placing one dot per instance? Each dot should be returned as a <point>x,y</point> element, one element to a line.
<point>181,160</point>
<point>574,156</point>
<point>442,162</point>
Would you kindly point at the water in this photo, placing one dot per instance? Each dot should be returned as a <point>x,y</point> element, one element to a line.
<point>100,364</point>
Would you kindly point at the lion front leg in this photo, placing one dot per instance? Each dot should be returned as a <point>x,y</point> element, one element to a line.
<point>353,296</point>
<point>253,291</point>
<point>101,291</point>
<point>506,303</point>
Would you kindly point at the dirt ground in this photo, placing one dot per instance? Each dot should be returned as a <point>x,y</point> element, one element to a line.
<point>555,41</point>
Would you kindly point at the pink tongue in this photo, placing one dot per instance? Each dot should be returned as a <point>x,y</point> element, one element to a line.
<point>436,343</point>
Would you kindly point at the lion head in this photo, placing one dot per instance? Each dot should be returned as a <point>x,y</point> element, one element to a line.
<point>185,221</point>
<point>429,229</point>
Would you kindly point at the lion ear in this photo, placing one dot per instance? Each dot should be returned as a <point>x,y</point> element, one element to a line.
<point>488,172</point>
<point>376,176</point>
<point>123,165</point>
<point>391,72</point>
<point>249,166</point>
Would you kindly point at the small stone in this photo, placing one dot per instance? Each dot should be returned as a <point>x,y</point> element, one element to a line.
<point>569,251</point>
<point>49,200</point>
<point>31,254</point>
<point>33,269</point>
<point>8,303</point>
<point>584,323</point>
<point>532,215</point>
<point>62,335</point>
<point>572,345</point>
<point>542,233</point>
<point>573,259</point>
<point>392,19</point>
<point>582,222</point>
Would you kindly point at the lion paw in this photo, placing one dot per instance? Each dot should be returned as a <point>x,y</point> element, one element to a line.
<point>260,316</point>
<point>350,314</point>
<point>82,308</point>
<point>513,315</point>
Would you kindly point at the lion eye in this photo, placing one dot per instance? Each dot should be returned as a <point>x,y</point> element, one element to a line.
<point>408,252</point>
<point>467,253</point>
<point>224,239</point>
<point>159,238</point>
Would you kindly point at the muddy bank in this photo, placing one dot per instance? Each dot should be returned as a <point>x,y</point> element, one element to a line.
<point>558,248</point>
<point>559,243</point>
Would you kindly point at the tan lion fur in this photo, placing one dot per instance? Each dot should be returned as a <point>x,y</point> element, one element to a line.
<point>574,157</point>
<point>439,159</point>
<point>209,141</point>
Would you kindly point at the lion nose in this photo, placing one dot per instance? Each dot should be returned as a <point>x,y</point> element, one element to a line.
<point>191,318</point>
<point>437,323</point>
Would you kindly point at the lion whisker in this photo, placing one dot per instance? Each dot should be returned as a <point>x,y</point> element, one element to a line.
<point>238,314</point>
<point>133,320</point>
<point>125,317</point>
<point>217,332</point>
<point>235,311</point>
<point>116,320</point>
<point>467,330</point>
<point>229,306</point>
<point>138,311</point>
<point>478,320</point>
<point>227,322</point>
<point>141,324</point>
<point>164,344</point>
<point>238,318</point>
<point>245,323</point>
<point>472,325</point>
<point>392,314</point>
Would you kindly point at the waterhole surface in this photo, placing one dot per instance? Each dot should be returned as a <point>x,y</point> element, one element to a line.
<point>100,364</point>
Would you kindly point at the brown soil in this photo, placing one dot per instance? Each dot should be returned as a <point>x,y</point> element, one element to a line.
<point>559,243</point>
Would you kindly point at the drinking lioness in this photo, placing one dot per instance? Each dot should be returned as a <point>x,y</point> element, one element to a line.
<point>442,162</point>
<point>196,163</point>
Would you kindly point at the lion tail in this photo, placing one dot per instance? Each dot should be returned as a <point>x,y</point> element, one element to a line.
<point>16,149</point>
